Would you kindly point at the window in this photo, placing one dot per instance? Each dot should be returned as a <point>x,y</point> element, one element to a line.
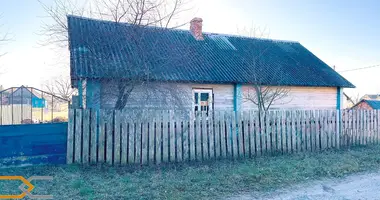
<point>202,100</point>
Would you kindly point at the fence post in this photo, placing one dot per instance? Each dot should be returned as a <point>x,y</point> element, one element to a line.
<point>338,127</point>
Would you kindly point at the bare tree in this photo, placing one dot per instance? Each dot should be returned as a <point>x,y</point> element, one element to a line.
<point>262,95</point>
<point>61,87</point>
<point>139,14</point>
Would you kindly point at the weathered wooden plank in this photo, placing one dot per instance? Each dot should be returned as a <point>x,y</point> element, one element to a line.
<point>159,140</point>
<point>288,132</point>
<point>124,139</point>
<point>293,131</point>
<point>355,126</point>
<point>284,147</point>
<point>86,136</point>
<point>268,132</point>
<point>217,133</point>
<point>278,132</point>
<point>303,130</point>
<point>251,133</point>
<point>172,137</point>
<point>228,118</point>
<point>165,137</point>
<point>298,130</point>
<point>211,131</point>
<point>144,140</point>
<point>313,132</point>
<point>258,132</point>
<point>179,136</point>
<point>247,141</point>
<point>94,136</point>
<point>192,137</point>
<point>223,138</point>
<point>78,136</point>
<point>131,142</point>
<point>102,136</point>
<point>234,134</point>
<point>240,136</point>
<point>117,138</point>
<point>308,130</point>
<point>317,131</point>
<point>185,140</point>
<point>198,136</point>
<point>273,132</point>
<point>152,140</point>
<point>325,129</point>
<point>109,137</point>
<point>70,137</point>
<point>138,141</point>
<point>204,136</point>
<point>263,145</point>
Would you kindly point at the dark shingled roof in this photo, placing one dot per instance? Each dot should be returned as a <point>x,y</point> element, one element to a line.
<point>373,103</point>
<point>103,49</point>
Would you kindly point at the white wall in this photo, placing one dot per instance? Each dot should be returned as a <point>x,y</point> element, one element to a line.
<point>179,95</point>
<point>167,95</point>
<point>301,98</point>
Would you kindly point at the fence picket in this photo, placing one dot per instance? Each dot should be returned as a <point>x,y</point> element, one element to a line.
<point>165,137</point>
<point>283,132</point>
<point>158,150</point>
<point>109,137</point>
<point>258,133</point>
<point>246,136</point>
<point>124,140</point>
<point>223,138</point>
<point>78,136</point>
<point>102,136</point>
<point>179,136</point>
<point>70,137</point>
<point>94,135</point>
<point>293,131</point>
<point>204,134</point>
<point>239,134</point>
<point>234,133</point>
<point>211,135</point>
<point>191,137</point>
<point>252,133</point>
<point>198,136</point>
<point>86,136</point>
<point>185,140</point>
<point>217,134</point>
<point>152,140</point>
<point>117,138</point>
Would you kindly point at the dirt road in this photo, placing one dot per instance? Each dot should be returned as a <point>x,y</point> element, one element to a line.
<point>362,186</point>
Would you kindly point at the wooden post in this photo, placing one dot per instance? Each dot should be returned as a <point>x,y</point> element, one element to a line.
<point>94,136</point>
<point>86,136</point>
<point>78,136</point>
<point>70,137</point>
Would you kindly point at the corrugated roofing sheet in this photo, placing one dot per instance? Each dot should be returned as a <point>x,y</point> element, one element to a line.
<point>102,49</point>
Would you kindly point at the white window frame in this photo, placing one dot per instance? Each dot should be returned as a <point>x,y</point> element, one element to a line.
<point>199,91</point>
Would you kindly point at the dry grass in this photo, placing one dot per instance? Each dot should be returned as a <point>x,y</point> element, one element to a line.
<point>192,181</point>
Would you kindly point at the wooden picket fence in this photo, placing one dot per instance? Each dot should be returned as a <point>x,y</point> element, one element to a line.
<point>119,138</point>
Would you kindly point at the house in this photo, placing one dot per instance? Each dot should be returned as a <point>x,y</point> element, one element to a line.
<point>115,64</point>
<point>367,104</point>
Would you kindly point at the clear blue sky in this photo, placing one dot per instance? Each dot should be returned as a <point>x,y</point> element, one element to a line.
<point>344,33</point>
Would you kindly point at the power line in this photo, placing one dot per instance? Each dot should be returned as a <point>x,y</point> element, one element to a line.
<point>360,68</point>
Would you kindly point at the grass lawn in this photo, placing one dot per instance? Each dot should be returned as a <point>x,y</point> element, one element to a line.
<point>192,181</point>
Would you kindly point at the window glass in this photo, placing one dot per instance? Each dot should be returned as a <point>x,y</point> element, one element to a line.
<point>196,98</point>
<point>204,96</point>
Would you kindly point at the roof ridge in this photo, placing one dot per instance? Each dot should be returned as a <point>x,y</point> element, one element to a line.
<point>188,31</point>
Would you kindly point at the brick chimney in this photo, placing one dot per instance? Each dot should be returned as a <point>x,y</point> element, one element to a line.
<point>196,28</point>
